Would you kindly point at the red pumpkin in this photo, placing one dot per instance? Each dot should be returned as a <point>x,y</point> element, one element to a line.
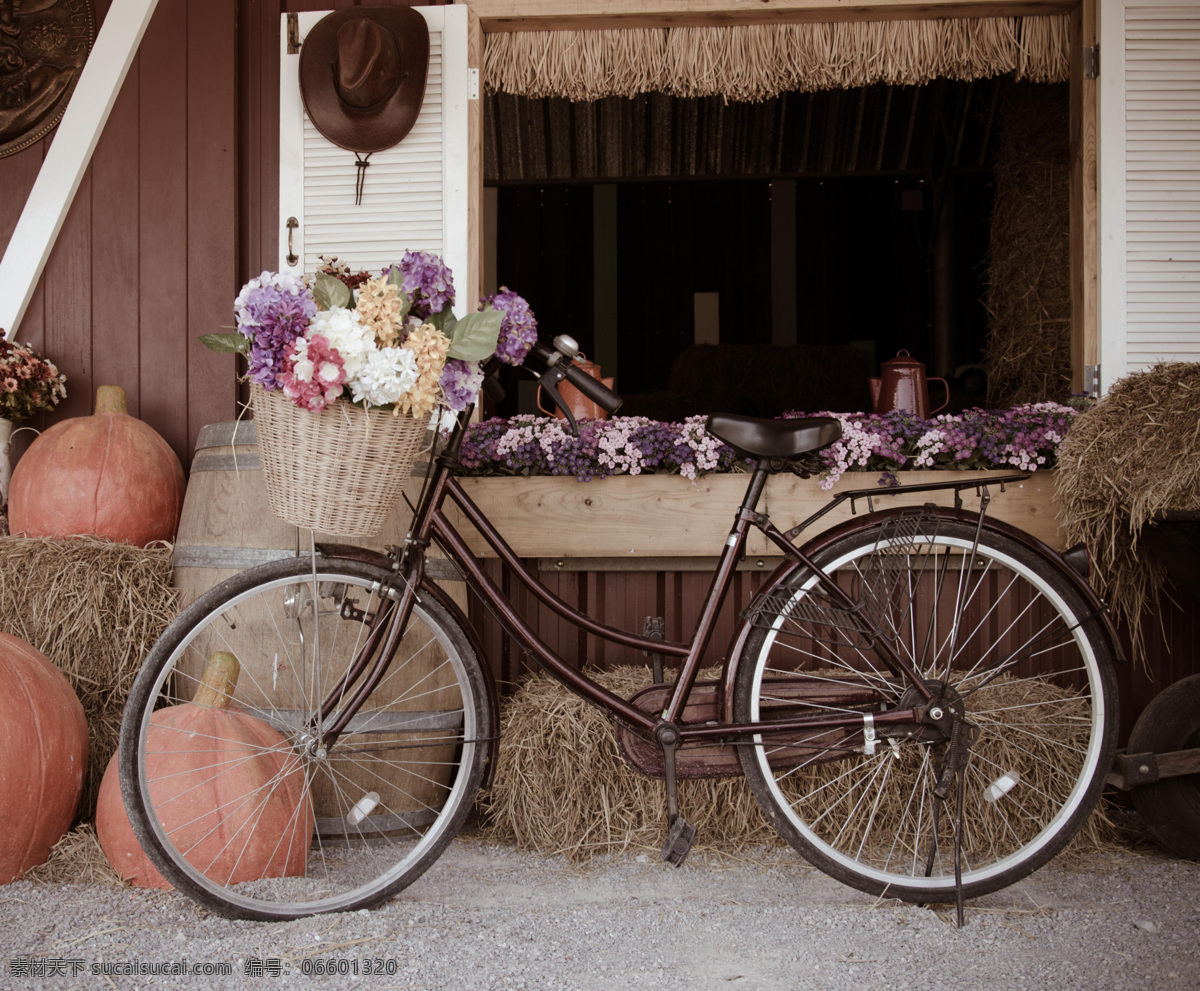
<point>109,475</point>
<point>43,756</point>
<point>229,840</point>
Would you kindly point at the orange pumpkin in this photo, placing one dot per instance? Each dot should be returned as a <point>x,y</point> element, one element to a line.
<point>43,756</point>
<point>110,475</point>
<point>228,838</point>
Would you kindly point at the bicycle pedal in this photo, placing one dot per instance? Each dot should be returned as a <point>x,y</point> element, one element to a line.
<point>680,837</point>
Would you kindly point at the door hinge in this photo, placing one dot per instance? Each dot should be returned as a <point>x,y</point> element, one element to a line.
<point>293,31</point>
<point>1091,62</point>
<point>472,84</point>
<point>1091,380</point>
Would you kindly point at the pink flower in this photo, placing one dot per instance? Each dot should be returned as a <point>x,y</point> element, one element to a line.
<point>313,373</point>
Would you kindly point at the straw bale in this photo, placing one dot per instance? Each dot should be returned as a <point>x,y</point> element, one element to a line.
<point>94,608</point>
<point>1127,460</point>
<point>77,858</point>
<point>752,62</point>
<point>561,786</point>
<point>1028,357</point>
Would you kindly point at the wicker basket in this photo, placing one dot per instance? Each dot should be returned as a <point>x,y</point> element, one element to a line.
<point>341,470</point>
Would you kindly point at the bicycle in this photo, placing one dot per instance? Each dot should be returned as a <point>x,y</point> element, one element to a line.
<point>921,699</point>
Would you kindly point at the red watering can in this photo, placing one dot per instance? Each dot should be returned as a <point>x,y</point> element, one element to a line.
<point>903,386</point>
<point>582,408</point>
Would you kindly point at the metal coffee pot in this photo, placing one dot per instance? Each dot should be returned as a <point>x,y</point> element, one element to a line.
<point>903,386</point>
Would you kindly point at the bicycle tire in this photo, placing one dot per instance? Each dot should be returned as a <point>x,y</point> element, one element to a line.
<point>368,816</point>
<point>1009,631</point>
<point>1171,806</point>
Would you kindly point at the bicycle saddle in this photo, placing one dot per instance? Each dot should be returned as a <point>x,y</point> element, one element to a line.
<point>774,438</point>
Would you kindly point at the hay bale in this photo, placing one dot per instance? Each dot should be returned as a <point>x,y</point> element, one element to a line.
<point>95,608</point>
<point>1127,460</point>
<point>1028,357</point>
<point>561,786</point>
<point>77,859</point>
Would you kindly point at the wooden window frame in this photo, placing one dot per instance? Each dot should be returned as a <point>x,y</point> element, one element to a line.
<point>489,16</point>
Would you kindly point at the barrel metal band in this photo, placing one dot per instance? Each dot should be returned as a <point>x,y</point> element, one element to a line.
<point>241,558</point>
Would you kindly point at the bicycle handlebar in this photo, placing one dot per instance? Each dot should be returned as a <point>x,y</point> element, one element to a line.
<point>594,389</point>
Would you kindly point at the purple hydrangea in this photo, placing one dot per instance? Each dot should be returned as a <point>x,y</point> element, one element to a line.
<point>272,311</point>
<point>518,330</point>
<point>427,281</point>
<point>460,382</point>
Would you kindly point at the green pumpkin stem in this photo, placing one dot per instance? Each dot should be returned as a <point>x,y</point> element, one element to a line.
<point>219,681</point>
<point>111,399</point>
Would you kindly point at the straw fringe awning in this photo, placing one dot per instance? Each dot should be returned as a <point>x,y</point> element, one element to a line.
<point>754,62</point>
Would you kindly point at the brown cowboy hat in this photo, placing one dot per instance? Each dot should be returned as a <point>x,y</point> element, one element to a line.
<point>362,75</point>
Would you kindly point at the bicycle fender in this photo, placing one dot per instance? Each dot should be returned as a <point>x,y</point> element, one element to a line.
<point>822,540</point>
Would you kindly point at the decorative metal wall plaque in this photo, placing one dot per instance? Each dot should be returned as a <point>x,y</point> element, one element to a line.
<point>43,46</point>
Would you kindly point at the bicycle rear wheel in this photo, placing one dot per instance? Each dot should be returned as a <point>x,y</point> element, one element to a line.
<point>230,790</point>
<point>997,626</point>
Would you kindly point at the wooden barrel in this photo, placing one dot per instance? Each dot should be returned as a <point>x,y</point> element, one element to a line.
<point>227,527</point>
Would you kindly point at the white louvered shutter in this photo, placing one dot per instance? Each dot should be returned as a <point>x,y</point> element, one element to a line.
<point>414,193</point>
<point>1149,184</point>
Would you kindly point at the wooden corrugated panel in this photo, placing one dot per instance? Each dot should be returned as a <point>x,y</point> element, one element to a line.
<point>1162,161</point>
<point>147,257</point>
<point>872,129</point>
<point>402,191</point>
<point>623,599</point>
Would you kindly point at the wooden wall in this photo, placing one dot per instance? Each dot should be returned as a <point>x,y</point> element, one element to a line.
<point>147,258</point>
<point>625,598</point>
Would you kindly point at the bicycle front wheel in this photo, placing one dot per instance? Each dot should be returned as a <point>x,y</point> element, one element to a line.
<point>231,788</point>
<point>997,627</point>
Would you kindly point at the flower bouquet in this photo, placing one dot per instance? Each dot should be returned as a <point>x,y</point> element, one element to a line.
<point>29,383</point>
<point>347,371</point>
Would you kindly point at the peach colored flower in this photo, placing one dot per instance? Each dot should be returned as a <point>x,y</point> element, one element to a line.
<point>428,346</point>
<point>379,307</point>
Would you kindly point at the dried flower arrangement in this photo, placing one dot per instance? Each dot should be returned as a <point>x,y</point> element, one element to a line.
<point>29,383</point>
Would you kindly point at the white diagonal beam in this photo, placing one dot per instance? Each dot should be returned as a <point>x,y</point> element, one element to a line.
<point>68,156</point>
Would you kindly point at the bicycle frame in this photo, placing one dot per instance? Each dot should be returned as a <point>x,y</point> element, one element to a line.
<point>431,524</point>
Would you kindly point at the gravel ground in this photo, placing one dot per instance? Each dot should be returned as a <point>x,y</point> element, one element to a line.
<point>488,917</point>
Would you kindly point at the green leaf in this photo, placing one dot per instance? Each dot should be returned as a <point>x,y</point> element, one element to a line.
<point>226,343</point>
<point>445,321</point>
<point>475,335</point>
<point>329,291</point>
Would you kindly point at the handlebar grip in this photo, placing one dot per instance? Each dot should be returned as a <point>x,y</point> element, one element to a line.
<point>594,389</point>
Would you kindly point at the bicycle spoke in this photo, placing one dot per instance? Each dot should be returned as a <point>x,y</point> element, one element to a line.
<point>347,821</point>
<point>975,617</point>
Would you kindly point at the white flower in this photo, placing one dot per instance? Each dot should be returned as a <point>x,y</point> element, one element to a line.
<point>387,374</point>
<point>353,340</point>
<point>302,366</point>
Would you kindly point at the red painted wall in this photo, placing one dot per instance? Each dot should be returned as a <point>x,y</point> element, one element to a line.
<point>147,258</point>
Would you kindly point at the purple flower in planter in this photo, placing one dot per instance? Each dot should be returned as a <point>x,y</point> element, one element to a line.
<point>623,445</point>
<point>1024,437</point>
<point>428,282</point>
<point>518,330</point>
